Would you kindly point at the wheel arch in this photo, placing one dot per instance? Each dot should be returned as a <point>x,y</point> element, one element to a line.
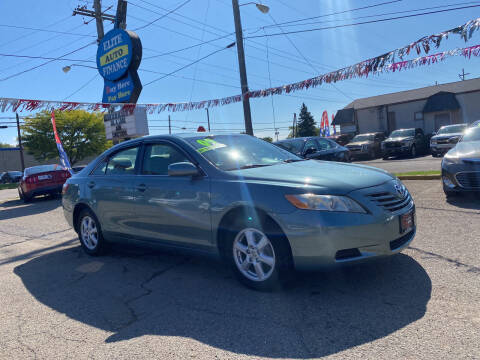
<point>247,213</point>
<point>76,212</point>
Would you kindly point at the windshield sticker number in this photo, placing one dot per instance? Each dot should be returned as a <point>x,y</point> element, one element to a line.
<point>208,145</point>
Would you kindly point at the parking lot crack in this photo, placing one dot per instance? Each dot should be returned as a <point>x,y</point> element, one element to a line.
<point>146,292</point>
<point>470,268</point>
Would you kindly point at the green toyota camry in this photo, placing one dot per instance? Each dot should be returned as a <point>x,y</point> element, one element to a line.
<point>262,209</point>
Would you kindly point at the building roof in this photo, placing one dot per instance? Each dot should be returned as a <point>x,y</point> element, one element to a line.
<point>457,87</point>
<point>442,101</point>
<point>343,116</point>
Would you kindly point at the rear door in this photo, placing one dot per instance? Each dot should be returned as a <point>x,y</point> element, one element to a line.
<point>110,189</point>
<point>326,150</point>
<point>169,209</point>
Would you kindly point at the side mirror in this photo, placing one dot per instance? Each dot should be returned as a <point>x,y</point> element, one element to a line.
<point>182,169</point>
<point>310,151</point>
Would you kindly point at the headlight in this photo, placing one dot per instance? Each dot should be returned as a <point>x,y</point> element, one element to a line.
<point>433,142</point>
<point>454,140</point>
<point>448,160</point>
<point>325,203</point>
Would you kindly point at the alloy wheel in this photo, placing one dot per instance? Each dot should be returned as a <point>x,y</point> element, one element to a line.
<point>254,254</point>
<point>89,232</point>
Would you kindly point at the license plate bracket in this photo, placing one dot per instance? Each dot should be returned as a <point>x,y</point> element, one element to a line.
<point>407,221</point>
<point>44,177</point>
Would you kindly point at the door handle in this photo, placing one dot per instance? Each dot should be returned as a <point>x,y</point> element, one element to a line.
<point>91,184</point>
<point>141,187</point>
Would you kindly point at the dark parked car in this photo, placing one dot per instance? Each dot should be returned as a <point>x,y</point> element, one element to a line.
<point>342,139</point>
<point>316,148</point>
<point>10,177</point>
<point>475,123</point>
<point>446,138</point>
<point>42,180</point>
<point>366,145</point>
<point>405,142</point>
<point>461,165</point>
<point>264,210</point>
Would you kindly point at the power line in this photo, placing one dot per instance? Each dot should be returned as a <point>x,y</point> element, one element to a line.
<point>81,87</point>
<point>190,64</point>
<point>163,16</point>
<point>370,16</point>
<point>363,22</point>
<point>47,62</point>
<point>44,30</point>
<point>44,58</point>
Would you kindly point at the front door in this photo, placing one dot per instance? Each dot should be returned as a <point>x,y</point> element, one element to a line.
<point>111,187</point>
<point>171,209</point>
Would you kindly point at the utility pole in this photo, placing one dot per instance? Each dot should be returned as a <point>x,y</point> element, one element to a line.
<point>20,142</point>
<point>169,125</point>
<point>462,75</point>
<point>294,125</point>
<point>121,18</point>
<point>208,119</point>
<point>243,71</point>
<point>97,14</point>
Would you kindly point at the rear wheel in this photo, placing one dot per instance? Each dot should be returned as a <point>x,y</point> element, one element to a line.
<point>90,233</point>
<point>259,256</point>
<point>372,154</point>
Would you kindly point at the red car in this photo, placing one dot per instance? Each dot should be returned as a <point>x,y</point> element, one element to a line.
<point>42,180</point>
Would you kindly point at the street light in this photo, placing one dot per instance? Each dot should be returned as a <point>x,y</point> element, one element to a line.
<point>241,61</point>
<point>67,68</point>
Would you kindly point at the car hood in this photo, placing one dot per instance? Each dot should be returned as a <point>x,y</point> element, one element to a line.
<point>446,136</point>
<point>402,138</point>
<point>331,177</point>
<point>469,149</point>
<point>359,143</point>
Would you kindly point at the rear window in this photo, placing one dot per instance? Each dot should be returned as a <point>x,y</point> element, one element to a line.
<point>41,168</point>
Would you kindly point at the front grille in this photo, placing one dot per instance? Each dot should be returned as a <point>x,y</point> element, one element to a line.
<point>393,144</point>
<point>398,243</point>
<point>469,180</point>
<point>391,202</point>
<point>443,141</point>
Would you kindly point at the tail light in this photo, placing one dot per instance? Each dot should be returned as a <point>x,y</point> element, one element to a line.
<point>64,188</point>
<point>31,180</point>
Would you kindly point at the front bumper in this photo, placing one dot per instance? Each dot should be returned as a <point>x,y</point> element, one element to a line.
<point>441,148</point>
<point>461,177</point>
<point>357,152</point>
<point>393,151</point>
<point>323,239</point>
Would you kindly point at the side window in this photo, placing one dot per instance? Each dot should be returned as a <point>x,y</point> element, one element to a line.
<point>123,162</point>
<point>324,144</point>
<point>311,144</point>
<point>157,157</point>
<point>100,169</point>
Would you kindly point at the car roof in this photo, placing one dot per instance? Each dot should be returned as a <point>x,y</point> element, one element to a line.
<point>373,133</point>
<point>447,126</point>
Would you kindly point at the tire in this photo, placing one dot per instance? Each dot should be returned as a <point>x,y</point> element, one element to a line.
<point>413,152</point>
<point>90,233</point>
<point>385,157</point>
<point>347,158</point>
<point>25,198</point>
<point>448,193</point>
<point>248,244</point>
<point>372,154</point>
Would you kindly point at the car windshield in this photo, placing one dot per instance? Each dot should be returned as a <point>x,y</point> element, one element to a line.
<point>453,129</point>
<point>403,133</point>
<point>472,134</point>
<point>294,146</point>
<point>363,138</point>
<point>233,152</point>
<point>41,168</point>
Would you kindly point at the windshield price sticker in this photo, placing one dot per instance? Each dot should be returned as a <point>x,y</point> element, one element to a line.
<point>208,145</point>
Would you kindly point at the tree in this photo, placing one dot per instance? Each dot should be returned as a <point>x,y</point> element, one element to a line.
<point>267,139</point>
<point>82,135</point>
<point>306,123</point>
<point>5,145</point>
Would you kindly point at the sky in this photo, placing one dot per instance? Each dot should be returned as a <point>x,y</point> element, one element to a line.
<point>270,61</point>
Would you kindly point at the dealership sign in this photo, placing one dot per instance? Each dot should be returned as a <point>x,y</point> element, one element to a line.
<point>126,123</point>
<point>118,57</point>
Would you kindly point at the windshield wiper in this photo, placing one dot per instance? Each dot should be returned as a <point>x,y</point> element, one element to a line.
<point>250,166</point>
<point>293,160</point>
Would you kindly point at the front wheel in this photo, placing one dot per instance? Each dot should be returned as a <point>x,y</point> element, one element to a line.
<point>90,233</point>
<point>413,151</point>
<point>372,154</point>
<point>259,256</point>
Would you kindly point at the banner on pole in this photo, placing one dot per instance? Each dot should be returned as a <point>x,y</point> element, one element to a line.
<point>61,153</point>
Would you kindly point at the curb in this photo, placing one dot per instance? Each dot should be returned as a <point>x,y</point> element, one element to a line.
<point>420,177</point>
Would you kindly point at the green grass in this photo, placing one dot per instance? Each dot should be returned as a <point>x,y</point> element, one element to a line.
<point>412,173</point>
<point>8,186</point>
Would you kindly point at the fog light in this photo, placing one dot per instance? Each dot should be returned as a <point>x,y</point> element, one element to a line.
<point>448,183</point>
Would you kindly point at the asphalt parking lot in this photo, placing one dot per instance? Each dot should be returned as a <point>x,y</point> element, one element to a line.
<point>403,164</point>
<point>56,302</point>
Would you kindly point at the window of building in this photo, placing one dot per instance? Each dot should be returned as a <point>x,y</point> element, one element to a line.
<point>419,116</point>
